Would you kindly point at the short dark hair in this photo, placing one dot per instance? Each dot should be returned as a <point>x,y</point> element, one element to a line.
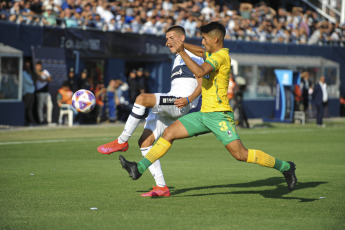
<point>178,29</point>
<point>205,29</point>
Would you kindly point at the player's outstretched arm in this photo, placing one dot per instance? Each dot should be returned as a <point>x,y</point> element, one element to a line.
<point>196,50</point>
<point>198,71</point>
<point>183,101</point>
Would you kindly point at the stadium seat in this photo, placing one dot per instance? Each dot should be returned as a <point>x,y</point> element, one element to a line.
<point>299,115</point>
<point>66,110</point>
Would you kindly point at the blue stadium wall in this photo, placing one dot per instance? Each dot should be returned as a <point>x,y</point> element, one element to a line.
<point>118,48</point>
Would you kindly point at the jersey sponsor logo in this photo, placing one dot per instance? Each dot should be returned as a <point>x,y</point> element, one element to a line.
<point>167,100</point>
<point>181,71</point>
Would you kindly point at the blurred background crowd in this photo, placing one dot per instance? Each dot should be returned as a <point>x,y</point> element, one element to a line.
<point>243,20</point>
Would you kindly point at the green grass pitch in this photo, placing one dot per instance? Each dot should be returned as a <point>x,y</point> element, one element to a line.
<point>50,178</point>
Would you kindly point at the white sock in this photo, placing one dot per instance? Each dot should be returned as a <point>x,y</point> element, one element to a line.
<point>155,169</point>
<point>132,122</point>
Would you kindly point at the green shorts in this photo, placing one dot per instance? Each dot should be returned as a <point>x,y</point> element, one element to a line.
<point>221,124</point>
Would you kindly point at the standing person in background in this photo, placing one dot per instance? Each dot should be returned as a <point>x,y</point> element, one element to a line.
<point>44,99</point>
<point>141,80</point>
<point>28,94</point>
<point>113,100</point>
<point>305,86</point>
<point>133,85</point>
<point>342,105</point>
<point>71,80</point>
<point>147,81</point>
<point>320,99</point>
<point>84,80</point>
<point>100,94</point>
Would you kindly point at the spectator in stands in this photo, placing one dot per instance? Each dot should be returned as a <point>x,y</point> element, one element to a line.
<point>136,24</point>
<point>70,20</point>
<point>149,26</point>
<point>36,7</point>
<point>28,94</point>
<point>154,17</point>
<point>44,101</point>
<point>49,17</point>
<point>70,4</point>
<point>317,36</point>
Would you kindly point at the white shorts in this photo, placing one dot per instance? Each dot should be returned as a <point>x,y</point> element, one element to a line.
<point>164,113</point>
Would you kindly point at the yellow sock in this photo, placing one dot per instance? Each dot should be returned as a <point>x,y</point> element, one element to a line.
<point>261,158</point>
<point>158,150</point>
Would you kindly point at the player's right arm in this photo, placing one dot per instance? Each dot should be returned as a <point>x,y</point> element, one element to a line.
<point>183,101</point>
<point>194,49</point>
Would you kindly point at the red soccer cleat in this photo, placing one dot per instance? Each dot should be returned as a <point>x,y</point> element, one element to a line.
<point>113,146</point>
<point>158,191</point>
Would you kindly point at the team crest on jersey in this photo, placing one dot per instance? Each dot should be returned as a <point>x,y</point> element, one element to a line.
<point>229,133</point>
<point>215,63</point>
<point>179,72</point>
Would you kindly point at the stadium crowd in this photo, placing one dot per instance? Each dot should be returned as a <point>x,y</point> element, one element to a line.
<point>243,21</point>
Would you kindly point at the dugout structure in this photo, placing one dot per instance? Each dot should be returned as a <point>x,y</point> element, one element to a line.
<point>11,105</point>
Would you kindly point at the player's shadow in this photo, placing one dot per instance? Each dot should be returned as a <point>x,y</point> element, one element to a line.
<point>277,193</point>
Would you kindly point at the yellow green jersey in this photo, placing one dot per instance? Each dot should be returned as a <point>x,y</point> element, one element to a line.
<point>215,85</point>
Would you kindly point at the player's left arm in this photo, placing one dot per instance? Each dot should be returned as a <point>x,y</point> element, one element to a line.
<point>199,71</point>
<point>184,101</point>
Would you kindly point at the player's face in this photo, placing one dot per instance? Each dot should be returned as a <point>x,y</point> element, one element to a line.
<point>170,37</point>
<point>207,42</point>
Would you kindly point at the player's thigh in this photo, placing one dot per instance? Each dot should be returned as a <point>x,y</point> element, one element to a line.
<point>157,124</point>
<point>175,131</point>
<point>222,124</point>
<point>193,123</point>
<point>165,106</point>
<point>146,99</point>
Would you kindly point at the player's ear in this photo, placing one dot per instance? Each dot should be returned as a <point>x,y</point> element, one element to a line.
<point>183,37</point>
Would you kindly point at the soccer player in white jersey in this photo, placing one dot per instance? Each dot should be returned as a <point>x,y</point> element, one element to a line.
<point>166,108</point>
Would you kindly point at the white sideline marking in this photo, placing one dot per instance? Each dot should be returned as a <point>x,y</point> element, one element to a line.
<point>47,141</point>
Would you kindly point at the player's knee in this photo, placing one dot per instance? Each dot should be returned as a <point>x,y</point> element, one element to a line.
<point>168,135</point>
<point>140,99</point>
<point>145,142</point>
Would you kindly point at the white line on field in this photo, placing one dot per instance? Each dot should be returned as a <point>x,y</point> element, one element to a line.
<point>47,141</point>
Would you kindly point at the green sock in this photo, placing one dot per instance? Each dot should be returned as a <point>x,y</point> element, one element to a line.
<point>282,166</point>
<point>143,165</point>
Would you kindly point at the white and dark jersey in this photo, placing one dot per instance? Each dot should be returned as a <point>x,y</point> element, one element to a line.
<point>183,82</point>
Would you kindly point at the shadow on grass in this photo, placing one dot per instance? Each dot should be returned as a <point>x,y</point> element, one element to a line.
<point>276,193</point>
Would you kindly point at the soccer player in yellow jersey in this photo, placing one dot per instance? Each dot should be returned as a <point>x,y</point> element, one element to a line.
<point>216,115</point>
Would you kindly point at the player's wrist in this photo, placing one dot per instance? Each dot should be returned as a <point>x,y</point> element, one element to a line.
<point>187,100</point>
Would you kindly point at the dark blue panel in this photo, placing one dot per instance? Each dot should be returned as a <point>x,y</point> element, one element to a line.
<point>12,113</point>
